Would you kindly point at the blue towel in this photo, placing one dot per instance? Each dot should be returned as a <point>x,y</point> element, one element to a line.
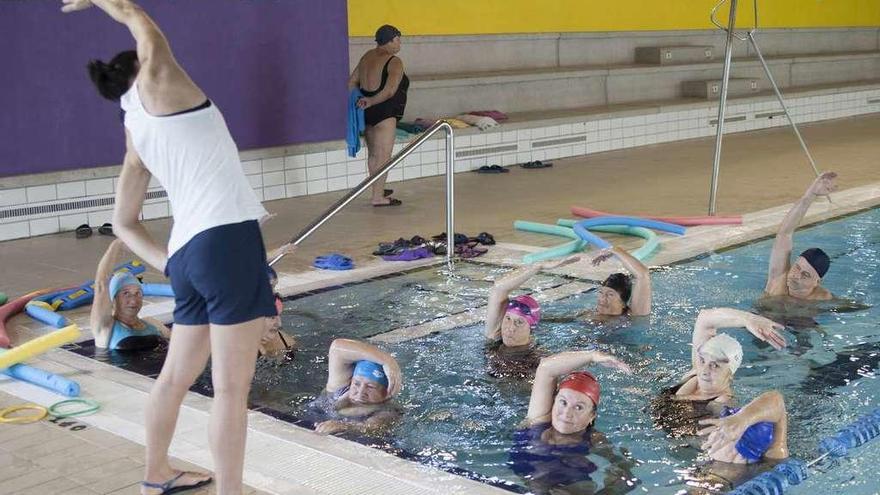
<point>356,123</point>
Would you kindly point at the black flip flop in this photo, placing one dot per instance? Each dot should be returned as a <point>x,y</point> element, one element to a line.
<point>387,192</point>
<point>106,229</point>
<point>83,231</point>
<point>536,164</point>
<point>391,202</point>
<point>491,169</point>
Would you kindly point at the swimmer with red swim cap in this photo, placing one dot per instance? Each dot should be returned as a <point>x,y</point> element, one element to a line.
<point>554,445</point>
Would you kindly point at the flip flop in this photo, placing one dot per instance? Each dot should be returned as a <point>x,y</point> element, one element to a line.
<point>457,238</point>
<point>417,240</point>
<point>391,202</point>
<point>491,169</point>
<point>106,229</point>
<point>387,192</point>
<point>333,261</point>
<point>83,231</point>
<point>168,487</point>
<point>536,164</point>
<point>470,251</point>
<point>395,247</point>
<point>483,238</point>
<point>410,254</point>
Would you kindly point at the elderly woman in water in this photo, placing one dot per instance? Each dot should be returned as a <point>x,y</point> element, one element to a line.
<point>361,381</point>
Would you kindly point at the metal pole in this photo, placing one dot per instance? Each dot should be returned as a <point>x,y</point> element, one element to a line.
<point>366,183</point>
<point>794,126</point>
<point>722,107</point>
<point>450,197</point>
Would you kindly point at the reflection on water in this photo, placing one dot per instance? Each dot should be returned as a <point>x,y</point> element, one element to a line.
<point>458,417</point>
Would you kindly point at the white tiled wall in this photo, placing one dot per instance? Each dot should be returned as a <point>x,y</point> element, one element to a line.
<point>315,173</point>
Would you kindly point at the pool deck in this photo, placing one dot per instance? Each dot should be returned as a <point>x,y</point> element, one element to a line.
<point>283,458</point>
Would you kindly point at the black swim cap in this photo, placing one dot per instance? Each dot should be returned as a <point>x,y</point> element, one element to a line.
<point>621,283</point>
<point>386,33</point>
<point>818,260</point>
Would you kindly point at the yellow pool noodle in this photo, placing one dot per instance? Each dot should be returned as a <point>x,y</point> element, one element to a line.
<point>39,345</point>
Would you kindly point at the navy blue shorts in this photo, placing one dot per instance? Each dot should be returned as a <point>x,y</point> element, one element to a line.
<point>220,277</point>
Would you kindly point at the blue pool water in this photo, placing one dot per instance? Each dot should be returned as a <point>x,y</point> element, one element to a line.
<point>458,417</point>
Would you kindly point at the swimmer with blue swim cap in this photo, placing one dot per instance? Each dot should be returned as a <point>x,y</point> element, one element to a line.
<point>119,297</point>
<point>801,279</point>
<point>361,381</point>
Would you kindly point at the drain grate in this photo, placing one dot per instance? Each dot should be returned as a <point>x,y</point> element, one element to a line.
<point>25,211</point>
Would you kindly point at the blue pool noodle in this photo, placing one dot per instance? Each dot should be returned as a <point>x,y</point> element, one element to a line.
<point>163,290</point>
<point>581,227</point>
<point>36,376</point>
<point>46,316</point>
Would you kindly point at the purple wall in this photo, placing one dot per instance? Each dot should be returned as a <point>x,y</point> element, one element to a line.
<point>276,68</point>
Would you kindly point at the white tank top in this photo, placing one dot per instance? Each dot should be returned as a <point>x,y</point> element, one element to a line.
<point>194,158</point>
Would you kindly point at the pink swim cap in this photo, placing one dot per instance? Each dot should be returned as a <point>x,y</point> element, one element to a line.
<point>527,307</point>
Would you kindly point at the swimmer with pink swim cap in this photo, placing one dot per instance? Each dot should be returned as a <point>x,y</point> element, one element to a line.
<point>512,320</point>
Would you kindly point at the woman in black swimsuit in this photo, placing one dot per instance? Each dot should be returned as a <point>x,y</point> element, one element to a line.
<point>380,76</point>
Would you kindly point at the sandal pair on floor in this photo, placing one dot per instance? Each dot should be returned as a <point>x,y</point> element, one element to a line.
<point>85,230</point>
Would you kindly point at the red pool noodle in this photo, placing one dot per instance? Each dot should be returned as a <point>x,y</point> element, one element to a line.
<point>684,221</point>
<point>15,307</point>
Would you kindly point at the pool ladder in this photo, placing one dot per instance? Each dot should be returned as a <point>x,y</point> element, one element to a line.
<point>395,160</point>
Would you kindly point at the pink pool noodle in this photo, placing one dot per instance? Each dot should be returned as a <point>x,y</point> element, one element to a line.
<point>685,221</point>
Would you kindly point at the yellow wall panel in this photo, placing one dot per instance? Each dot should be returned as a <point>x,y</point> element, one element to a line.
<point>443,17</point>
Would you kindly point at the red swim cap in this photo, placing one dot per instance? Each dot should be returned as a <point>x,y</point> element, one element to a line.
<point>583,382</point>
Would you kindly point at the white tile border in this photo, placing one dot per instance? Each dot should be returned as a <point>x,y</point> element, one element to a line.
<point>320,172</point>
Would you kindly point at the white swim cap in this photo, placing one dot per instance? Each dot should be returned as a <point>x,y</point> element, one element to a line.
<point>723,347</point>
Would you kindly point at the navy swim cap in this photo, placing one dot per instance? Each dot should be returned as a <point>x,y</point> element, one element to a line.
<point>755,441</point>
<point>621,283</point>
<point>386,33</point>
<point>818,260</point>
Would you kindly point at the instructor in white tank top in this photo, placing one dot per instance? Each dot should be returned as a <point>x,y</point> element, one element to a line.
<point>215,257</point>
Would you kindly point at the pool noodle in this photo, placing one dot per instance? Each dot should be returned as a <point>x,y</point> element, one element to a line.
<point>39,345</point>
<point>42,378</point>
<point>162,290</point>
<point>14,307</point>
<point>646,249</point>
<point>37,311</point>
<point>564,230</point>
<point>685,221</point>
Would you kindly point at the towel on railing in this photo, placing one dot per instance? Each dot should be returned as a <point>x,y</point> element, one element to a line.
<point>356,123</point>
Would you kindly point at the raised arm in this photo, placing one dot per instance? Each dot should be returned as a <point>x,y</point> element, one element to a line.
<point>345,352</point>
<point>640,301</point>
<point>724,433</point>
<point>151,43</point>
<point>710,320</point>
<point>130,191</point>
<point>101,316</point>
<point>395,75</point>
<point>555,366</point>
<point>500,293</point>
<point>780,256</point>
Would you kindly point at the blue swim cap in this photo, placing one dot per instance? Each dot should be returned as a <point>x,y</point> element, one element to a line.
<point>372,371</point>
<point>120,280</point>
<point>755,441</point>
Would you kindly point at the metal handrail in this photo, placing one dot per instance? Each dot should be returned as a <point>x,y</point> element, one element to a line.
<point>396,159</point>
<point>722,102</point>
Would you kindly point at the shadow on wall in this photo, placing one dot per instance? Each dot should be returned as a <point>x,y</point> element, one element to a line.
<point>277,70</point>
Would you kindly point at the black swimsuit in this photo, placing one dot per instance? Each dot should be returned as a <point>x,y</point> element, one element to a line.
<point>392,107</point>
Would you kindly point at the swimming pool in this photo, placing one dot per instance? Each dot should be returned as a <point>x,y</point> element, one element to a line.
<point>459,418</point>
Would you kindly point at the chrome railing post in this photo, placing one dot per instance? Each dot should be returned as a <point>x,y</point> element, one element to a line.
<point>366,183</point>
<point>450,195</point>
<point>722,106</point>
